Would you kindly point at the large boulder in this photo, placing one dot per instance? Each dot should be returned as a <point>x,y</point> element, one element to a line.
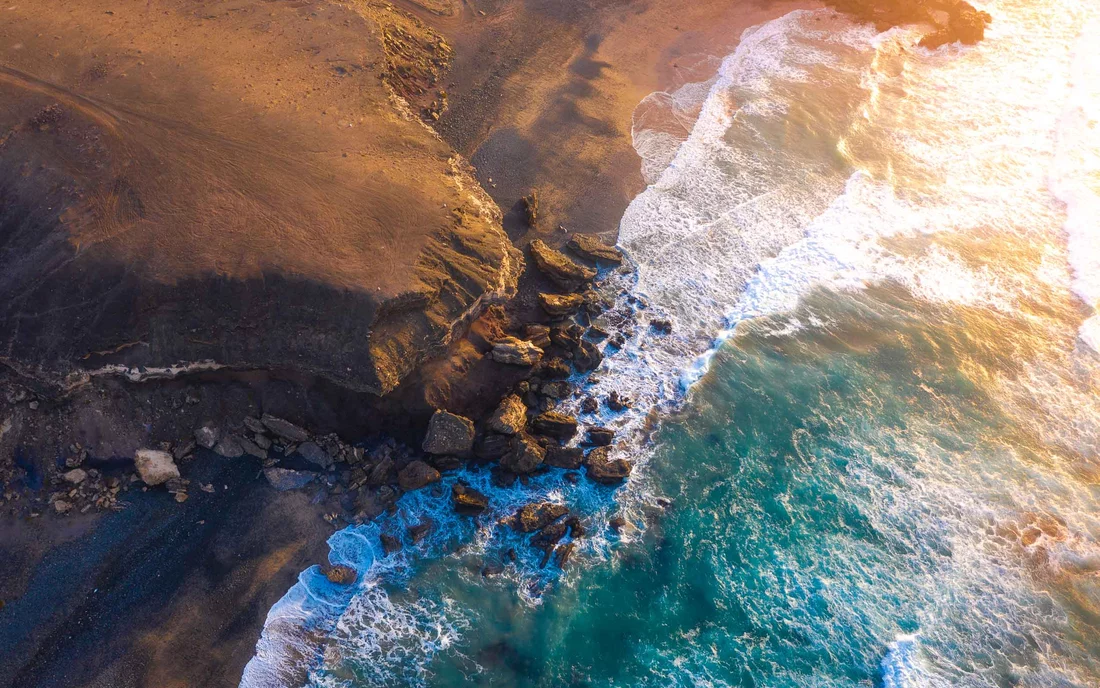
<point>605,470</point>
<point>557,425</point>
<point>592,248</point>
<point>449,433</point>
<point>524,457</point>
<point>569,458</point>
<point>536,516</point>
<point>229,220</point>
<point>417,475</point>
<point>315,455</point>
<point>510,417</point>
<point>155,467</point>
<point>515,351</point>
<point>340,574</point>
<point>560,268</point>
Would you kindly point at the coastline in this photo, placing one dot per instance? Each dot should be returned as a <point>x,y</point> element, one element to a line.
<point>193,618</point>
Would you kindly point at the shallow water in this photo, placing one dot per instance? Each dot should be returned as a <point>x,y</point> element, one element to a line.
<point>881,403</point>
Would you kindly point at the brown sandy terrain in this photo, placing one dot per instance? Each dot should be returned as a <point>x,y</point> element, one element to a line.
<point>182,179</point>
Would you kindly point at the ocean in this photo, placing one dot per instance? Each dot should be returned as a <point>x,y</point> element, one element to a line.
<point>869,452</point>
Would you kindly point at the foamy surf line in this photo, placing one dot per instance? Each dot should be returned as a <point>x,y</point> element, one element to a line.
<point>727,232</point>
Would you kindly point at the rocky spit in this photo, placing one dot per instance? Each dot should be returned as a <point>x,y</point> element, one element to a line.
<point>358,479</point>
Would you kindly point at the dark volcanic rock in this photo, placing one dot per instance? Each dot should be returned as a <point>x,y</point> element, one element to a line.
<point>591,248</point>
<point>390,543</point>
<point>554,369</point>
<point>340,574</point>
<point>492,446</point>
<point>556,425</point>
<point>569,458</point>
<point>283,479</point>
<point>227,230</point>
<point>467,500</point>
<point>208,435</point>
<point>417,475</point>
<point>315,455</point>
<point>537,516</point>
<point>549,536</point>
<point>560,268</point>
<point>600,437</point>
<point>605,470</point>
<point>524,457</point>
<point>285,429</point>
<point>449,433</point>
<point>587,357</point>
<point>617,402</point>
<point>510,417</point>
<point>562,554</point>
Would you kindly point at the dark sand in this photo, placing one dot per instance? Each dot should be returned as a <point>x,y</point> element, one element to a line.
<point>541,95</point>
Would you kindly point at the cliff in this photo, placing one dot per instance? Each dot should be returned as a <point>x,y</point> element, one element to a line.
<point>189,186</point>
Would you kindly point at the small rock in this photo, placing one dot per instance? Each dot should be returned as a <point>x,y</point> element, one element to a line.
<point>554,369</point>
<point>531,208</point>
<point>562,554</point>
<point>590,405</point>
<point>255,425</point>
<point>525,456</point>
<point>62,507</point>
<point>591,248</point>
<point>557,425</point>
<point>600,437</point>
<point>75,476</point>
<point>420,530</point>
<point>251,448</point>
<point>510,417</point>
<point>417,475</point>
<point>617,402</point>
<point>559,305</point>
<point>340,574</point>
<point>586,356</point>
<point>513,351</point>
<point>181,497</point>
<point>617,523</point>
<point>390,544</point>
<point>230,447</point>
<point>539,335</point>
<point>605,470</point>
<point>155,467</point>
<point>315,455</point>
<point>284,428</point>
<point>184,449</point>
<point>207,436</point>
<point>467,500</point>
<point>284,479</point>
<point>536,516</point>
<point>449,433</point>
<point>445,462</point>
<point>661,326</point>
<point>549,536</point>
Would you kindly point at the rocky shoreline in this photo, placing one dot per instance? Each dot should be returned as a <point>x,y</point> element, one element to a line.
<point>306,384</point>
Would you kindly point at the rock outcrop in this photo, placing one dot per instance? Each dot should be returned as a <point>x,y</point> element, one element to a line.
<point>557,425</point>
<point>513,351</point>
<point>558,305</point>
<point>524,457</point>
<point>603,469</point>
<point>537,516</point>
<point>591,248</point>
<point>467,500</point>
<point>449,433</point>
<point>954,20</point>
<point>192,211</point>
<point>560,268</point>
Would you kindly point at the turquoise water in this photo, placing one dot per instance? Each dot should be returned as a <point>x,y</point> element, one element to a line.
<point>877,452</point>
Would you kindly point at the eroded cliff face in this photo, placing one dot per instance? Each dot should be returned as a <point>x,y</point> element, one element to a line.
<point>193,185</point>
